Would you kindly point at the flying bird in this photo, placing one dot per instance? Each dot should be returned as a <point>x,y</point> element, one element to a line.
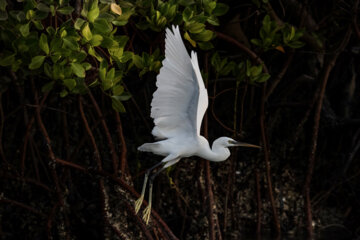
<point>178,107</point>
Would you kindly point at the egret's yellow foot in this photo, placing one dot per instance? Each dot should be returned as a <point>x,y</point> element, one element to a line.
<point>147,213</point>
<point>138,203</point>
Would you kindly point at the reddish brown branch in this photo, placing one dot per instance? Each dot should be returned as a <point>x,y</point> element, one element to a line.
<point>123,160</point>
<point>91,136</point>
<point>50,219</point>
<point>27,135</point>
<point>22,205</point>
<point>317,114</point>
<point>98,161</point>
<point>49,147</point>
<point>210,201</point>
<point>208,180</point>
<point>266,150</point>
<point>115,158</point>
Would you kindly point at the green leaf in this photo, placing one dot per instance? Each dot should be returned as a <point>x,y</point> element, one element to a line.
<point>86,32</point>
<point>93,13</point>
<point>63,33</point>
<point>24,29</point>
<point>213,20</point>
<point>93,53</point>
<point>263,78</point>
<point>116,53</point>
<point>94,83</point>
<point>256,42</point>
<point>7,60</point>
<point>111,74</point>
<point>127,55</point>
<point>209,7</point>
<point>187,37</point>
<point>220,9</point>
<point>96,40</point>
<point>102,69</point>
<point>42,7</point>
<point>78,23</point>
<point>65,10</point>
<point>296,44</point>
<point>119,22</point>
<point>204,36</point>
<point>36,62</point>
<point>3,15</point>
<point>122,40</point>
<point>205,45</point>
<point>30,14</point>
<point>47,87</point>
<point>78,56</point>
<point>108,83</point>
<point>187,14</point>
<point>38,24</point>
<point>117,104</point>
<point>124,96</point>
<point>117,90</point>
<point>63,93</point>
<point>3,5</point>
<point>255,70</point>
<point>102,26</point>
<point>87,66</point>
<point>43,43</point>
<point>71,43</point>
<point>138,61</point>
<point>78,69</point>
<point>70,83</point>
<point>292,33</point>
<point>195,27</point>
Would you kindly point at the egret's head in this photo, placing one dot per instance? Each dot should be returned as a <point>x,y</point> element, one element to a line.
<point>229,142</point>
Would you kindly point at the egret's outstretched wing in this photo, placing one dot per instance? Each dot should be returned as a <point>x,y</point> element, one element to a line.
<point>180,101</point>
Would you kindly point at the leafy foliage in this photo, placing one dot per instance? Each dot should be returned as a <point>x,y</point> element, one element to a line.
<point>273,36</point>
<point>88,50</point>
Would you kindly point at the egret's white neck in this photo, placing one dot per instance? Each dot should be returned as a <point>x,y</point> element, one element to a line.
<point>217,153</point>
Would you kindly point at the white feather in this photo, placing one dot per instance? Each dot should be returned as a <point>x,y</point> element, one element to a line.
<point>180,101</point>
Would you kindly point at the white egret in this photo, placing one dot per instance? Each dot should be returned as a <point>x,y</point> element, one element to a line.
<point>178,107</point>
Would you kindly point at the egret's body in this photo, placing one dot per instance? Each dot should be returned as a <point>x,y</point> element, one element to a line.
<point>178,107</point>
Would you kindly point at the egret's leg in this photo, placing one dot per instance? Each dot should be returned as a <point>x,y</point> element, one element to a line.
<point>147,210</point>
<point>139,201</point>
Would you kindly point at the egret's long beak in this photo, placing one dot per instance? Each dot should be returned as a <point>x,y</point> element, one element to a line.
<point>242,144</point>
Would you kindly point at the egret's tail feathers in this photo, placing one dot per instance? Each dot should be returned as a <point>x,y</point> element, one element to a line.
<point>149,147</point>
